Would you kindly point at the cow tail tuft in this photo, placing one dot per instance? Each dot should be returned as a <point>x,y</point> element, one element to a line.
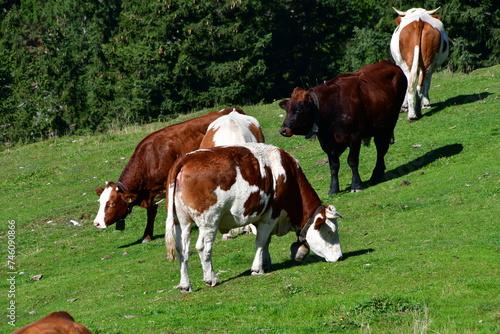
<point>170,224</point>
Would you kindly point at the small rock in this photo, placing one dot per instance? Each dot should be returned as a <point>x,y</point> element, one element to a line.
<point>74,223</point>
<point>106,257</point>
<point>405,183</point>
<point>36,278</point>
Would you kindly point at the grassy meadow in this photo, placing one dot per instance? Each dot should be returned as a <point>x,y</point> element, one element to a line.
<point>422,249</point>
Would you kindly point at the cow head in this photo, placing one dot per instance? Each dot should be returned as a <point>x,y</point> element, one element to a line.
<point>416,11</point>
<point>114,204</point>
<point>323,238</point>
<point>300,114</point>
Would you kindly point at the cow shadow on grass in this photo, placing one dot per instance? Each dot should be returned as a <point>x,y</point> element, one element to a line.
<point>308,260</point>
<point>139,241</point>
<point>456,101</point>
<point>419,163</point>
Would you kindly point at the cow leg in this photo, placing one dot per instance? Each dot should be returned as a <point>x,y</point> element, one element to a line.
<point>182,244</point>
<point>426,103</point>
<point>353,162</point>
<point>334,162</point>
<point>148,232</point>
<point>382,145</point>
<point>262,261</point>
<point>204,247</point>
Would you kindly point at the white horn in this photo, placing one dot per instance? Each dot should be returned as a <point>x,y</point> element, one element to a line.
<point>400,13</point>
<point>430,12</point>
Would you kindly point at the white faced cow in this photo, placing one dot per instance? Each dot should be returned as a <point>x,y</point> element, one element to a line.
<point>233,129</point>
<point>231,186</point>
<point>419,45</point>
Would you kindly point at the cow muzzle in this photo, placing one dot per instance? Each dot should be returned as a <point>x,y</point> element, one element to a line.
<point>286,132</point>
<point>98,224</point>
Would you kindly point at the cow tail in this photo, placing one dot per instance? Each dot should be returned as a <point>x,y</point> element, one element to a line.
<point>170,224</point>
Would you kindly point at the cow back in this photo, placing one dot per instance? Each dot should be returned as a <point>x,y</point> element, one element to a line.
<point>368,100</point>
<point>54,323</point>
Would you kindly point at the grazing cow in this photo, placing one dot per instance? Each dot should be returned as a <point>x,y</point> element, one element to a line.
<point>233,129</point>
<point>230,186</point>
<point>54,323</point>
<point>142,182</point>
<point>347,110</point>
<point>419,45</point>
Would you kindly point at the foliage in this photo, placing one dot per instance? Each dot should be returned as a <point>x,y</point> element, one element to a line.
<point>71,66</point>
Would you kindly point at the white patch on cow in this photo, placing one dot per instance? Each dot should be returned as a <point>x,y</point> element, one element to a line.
<point>235,199</point>
<point>416,14</point>
<point>103,199</point>
<point>233,129</point>
<point>325,242</point>
<point>268,156</point>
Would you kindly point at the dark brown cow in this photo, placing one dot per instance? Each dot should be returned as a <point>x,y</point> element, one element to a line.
<point>142,182</point>
<point>347,110</point>
<point>54,323</point>
<point>232,186</point>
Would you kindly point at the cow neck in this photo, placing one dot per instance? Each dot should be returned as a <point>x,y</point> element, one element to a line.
<point>316,116</point>
<point>303,232</point>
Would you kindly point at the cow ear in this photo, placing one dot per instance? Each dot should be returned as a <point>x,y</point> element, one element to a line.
<point>397,20</point>
<point>99,191</point>
<point>283,104</point>
<point>129,197</point>
<point>437,17</point>
<point>331,212</point>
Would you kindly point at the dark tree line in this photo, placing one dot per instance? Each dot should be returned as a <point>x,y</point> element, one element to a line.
<point>78,66</point>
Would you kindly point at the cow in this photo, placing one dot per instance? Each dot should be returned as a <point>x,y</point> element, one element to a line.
<point>142,181</point>
<point>54,323</point>
<point>233,129</point>
<point>347,110</point>
<point>231,186</point>
<point>419,45</point>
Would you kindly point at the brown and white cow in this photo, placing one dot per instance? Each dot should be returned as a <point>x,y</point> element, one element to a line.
<point>418,45</point>
<point>233,129</point>
<point>230,186</point>
<point>54,323</point>
<point>142,181</point>
<point>347,110</point>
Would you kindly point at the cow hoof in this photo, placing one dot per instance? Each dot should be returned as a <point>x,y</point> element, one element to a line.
<point>184,289</point>
<point>426,106</point>
<point>356,190</point>
<point>146,239</point>
<point>212,283</point>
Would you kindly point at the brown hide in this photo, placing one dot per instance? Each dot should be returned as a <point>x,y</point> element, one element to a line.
<point>422,34</point>
<point>54,323</point>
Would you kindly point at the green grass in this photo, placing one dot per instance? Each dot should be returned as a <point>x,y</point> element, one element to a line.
<point>422,256</point>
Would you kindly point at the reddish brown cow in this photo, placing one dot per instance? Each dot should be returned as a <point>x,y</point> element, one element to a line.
<point>54,323</point>
<point>347,110</point>
<point>142,182</point>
